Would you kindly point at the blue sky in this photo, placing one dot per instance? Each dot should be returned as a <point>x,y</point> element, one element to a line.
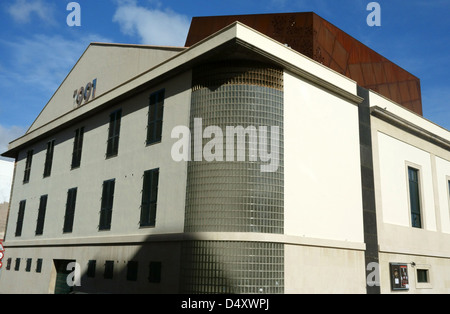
<point>38,48</point>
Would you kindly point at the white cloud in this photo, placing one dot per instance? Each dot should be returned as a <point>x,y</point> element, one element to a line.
<point>152,26</point>
<point>43,61</point>
<point>22,10</point>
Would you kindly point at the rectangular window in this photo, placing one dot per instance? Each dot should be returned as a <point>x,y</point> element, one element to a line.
<point>26,175</point>
<point>149,198</point>
<point>77,148</point>
<point>17,266</point>
<point>70,210</point>
<point>109,270</point>
<point>422,276</point>
<point>155,272</point>
<point>91,268</point>
<point>8,263</point>
<point>39,265</point>
<point>20,217</point>
<point>155,117</point>
<point>414,197</point>
<point>113,133</point>
<point>41,215</point>
<point>28,267</point>
<point>107,205</point>
<point>49,158</point>
<point>132,270</point>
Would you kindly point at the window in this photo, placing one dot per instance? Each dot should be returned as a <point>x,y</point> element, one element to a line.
<point>414,197</point>
<point>107,205</point>
<point>70,210</point>
<point>77,147</point>
<point>422,275</point>
<point>8,263</point>
<point>109,270</point>
<point>39,265</point>
<point>132,270</point>
<point>17,266</point>
<point>26,175</point>
<point>91,268</point>
<point>149,198</point>
<point>20,217</point>
<point>28,266</point>
<point>113,133</point>
<point>155,117</point>
<point>41,215</point>
<point>49,158</point>
<point>155,272</point>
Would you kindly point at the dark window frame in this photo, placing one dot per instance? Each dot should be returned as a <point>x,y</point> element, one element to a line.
<point>112,148</point>
<point>77,148</point>
<point>155,117</point>
<point>109,270</point>
<point>154,275</point>
<point>92,265</point>
<point>415,205</point>
<point>17,264</point>
<point>107,204</point>
<point>28,163</point>
<point>20,218</point>
<point>423,275</point>
<point>49,158</point>
<point>150,187</point>
<point>28,266</point>
<point>132,270</point>
<point>41,215</point>
<point>39,265</point>
<point>70,210</point>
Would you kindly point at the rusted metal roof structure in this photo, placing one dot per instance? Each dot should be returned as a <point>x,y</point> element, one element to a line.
<point>318,39</point>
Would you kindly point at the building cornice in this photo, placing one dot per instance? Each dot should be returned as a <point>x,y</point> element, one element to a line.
<point>409,127</point>
<point>187,236</point>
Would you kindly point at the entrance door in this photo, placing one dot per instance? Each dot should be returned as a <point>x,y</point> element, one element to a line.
<point>61,286</point>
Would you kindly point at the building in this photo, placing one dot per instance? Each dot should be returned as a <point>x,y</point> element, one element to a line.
<point>3,215</point>
<point>236,164</point>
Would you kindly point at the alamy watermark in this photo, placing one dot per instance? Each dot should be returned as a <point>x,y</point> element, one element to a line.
<point>222,145</point>
<point>373,278</point>
<point>74,277</point>
<point>74,17</point>
<point>374,17</point>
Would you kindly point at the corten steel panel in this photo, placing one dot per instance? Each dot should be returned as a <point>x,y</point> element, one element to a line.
<point>320,40</point>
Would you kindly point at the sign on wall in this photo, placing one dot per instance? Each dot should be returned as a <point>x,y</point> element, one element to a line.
<point>399,276</point>
<point>84,94</point>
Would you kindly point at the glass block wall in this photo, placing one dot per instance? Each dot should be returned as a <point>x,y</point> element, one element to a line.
<point>235,196</point>
<point>218,267</point>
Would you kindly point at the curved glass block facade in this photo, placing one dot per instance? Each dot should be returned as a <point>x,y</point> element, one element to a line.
<point>232,194</point>
<point>237,196</point>
<point>232,267</point>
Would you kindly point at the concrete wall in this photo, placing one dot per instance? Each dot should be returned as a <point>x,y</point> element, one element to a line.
<point>127,168</point>
<point>323,202</point>
<point>322,164</point>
